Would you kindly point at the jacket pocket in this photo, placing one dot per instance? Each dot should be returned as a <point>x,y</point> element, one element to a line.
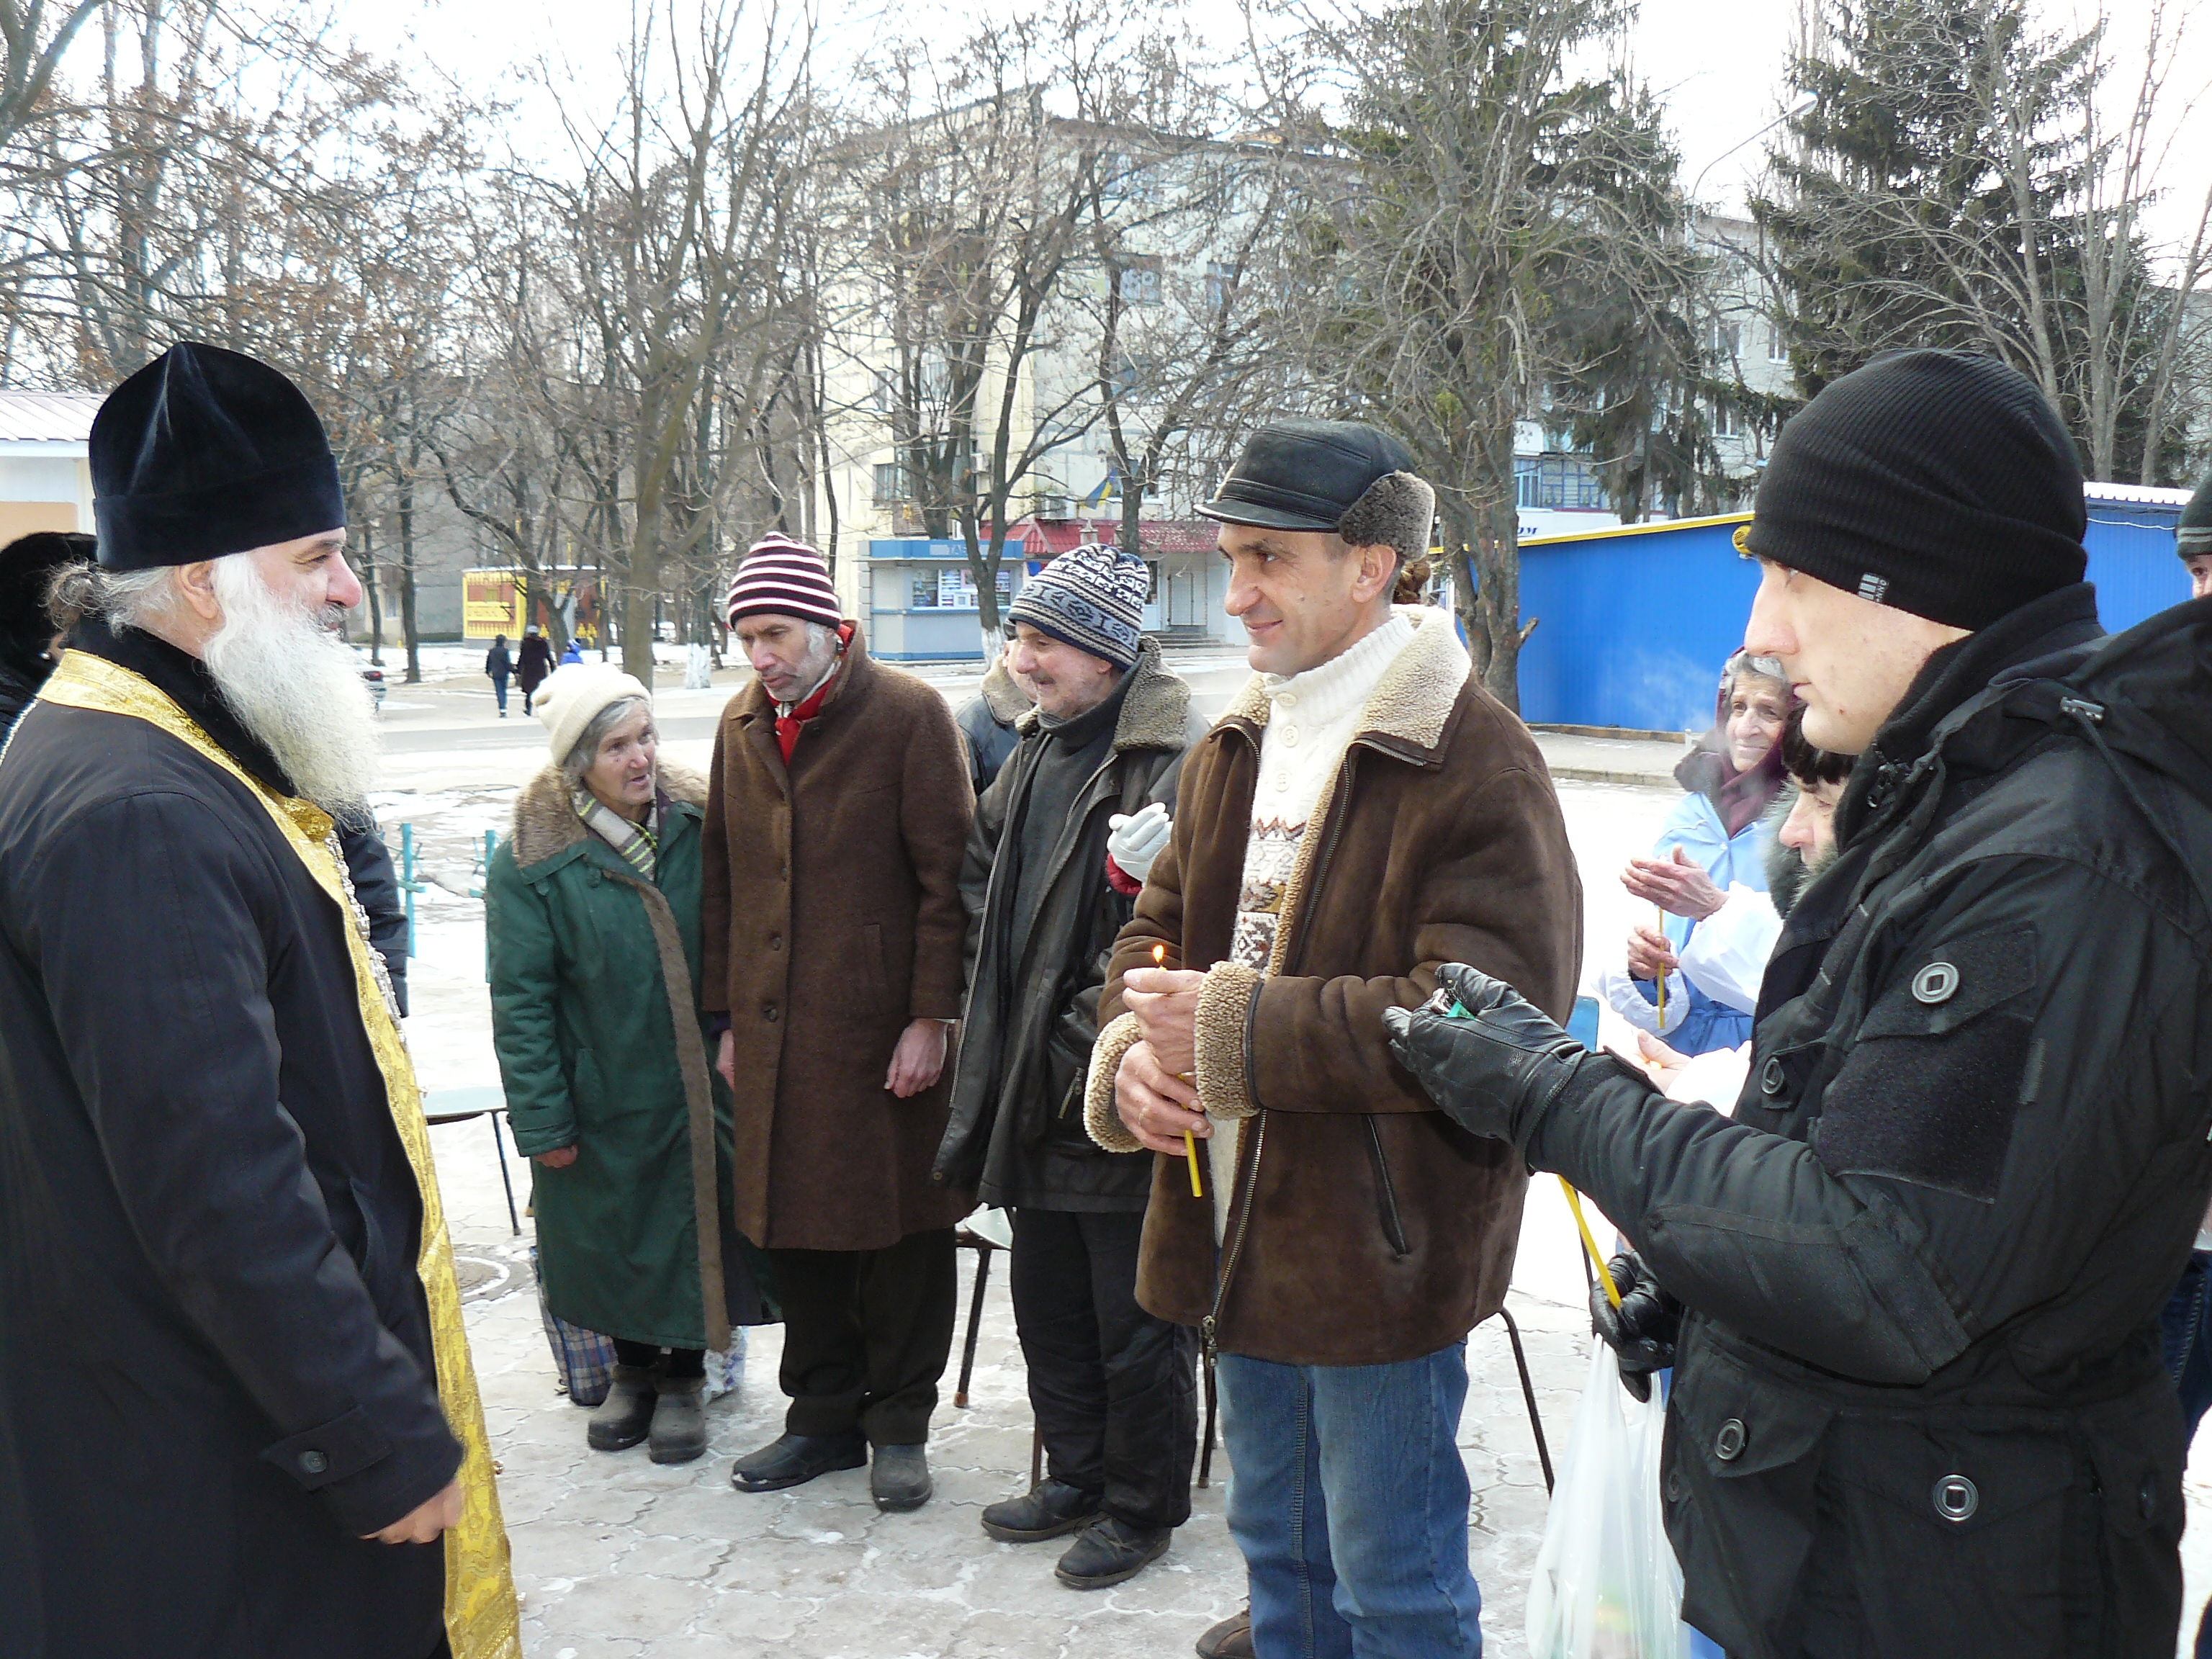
<point>1942,1064</point>
<point>1938,1521</point>
<point>1386,1193</point>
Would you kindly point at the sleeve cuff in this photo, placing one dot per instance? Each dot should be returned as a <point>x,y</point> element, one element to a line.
<point>368,1481</point>
<point>1224,1015</point>
<point>1099,1116</point>
<point>1121,880</point>
<point>532,1138</point>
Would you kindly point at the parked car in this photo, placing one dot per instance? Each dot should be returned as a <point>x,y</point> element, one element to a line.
<point>373,677</point>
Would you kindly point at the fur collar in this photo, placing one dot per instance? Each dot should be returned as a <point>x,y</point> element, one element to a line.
<point>1416,694</point>
<point>1001,695</point>
<point>1156,713</point>
<point>545,821</point>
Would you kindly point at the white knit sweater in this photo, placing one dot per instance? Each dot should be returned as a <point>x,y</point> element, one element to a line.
<point>1311,718</point>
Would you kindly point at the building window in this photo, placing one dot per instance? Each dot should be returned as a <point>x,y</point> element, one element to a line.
<point>1138,277</point>
<point>1724,421</point>
<point>1726,340</point>
<point>1556,481</point>
<point>891,484</point>
<point>1777,349</point>
<point>1220,288</point>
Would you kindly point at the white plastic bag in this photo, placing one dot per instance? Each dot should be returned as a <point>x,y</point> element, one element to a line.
<point>1607,1585</point>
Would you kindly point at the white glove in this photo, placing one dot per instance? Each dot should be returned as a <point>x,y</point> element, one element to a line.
<point>1137,838</point>
<point>1621,991</point>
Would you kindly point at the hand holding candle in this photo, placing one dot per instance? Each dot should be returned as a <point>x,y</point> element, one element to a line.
<point>1190,1142</point>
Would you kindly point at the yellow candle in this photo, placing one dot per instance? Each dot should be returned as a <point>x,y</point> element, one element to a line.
<point>1189,1141</point>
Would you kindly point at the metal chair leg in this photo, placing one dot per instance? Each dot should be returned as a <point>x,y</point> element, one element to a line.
<point>1528,1393</point>
<point>499,1146</point>
<point>974,1325</point>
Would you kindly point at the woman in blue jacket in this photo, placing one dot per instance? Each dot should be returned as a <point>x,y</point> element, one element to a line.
<point>1714,840</point>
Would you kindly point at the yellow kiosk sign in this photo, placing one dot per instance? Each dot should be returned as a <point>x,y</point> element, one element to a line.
<point>491,603</point>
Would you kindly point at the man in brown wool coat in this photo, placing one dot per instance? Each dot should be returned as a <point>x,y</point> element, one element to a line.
<point>837,810</point>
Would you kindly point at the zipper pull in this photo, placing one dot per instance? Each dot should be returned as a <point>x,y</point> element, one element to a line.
<point>1206,1337</point>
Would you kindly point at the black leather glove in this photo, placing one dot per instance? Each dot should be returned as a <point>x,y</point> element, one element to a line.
<point>1642,1329</point>
<point>1494,1062</point>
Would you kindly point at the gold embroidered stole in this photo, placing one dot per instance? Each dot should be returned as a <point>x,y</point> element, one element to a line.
<point>481,1619</point>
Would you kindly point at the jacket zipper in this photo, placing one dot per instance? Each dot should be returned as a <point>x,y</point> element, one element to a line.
<point>1234,1249</point>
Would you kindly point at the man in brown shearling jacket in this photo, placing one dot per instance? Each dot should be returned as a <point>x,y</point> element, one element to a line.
<point>1363,813</point>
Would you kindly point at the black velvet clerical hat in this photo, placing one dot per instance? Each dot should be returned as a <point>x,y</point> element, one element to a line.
<point>205,452</point>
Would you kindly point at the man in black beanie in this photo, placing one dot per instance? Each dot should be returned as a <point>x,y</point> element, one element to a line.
<point>1917,1403</point>
<point>2193,538</point>
<point>236,1398</point>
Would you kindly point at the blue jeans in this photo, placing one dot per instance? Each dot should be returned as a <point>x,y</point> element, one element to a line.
<point>1349,1501</point>
<point>2186,1325</point>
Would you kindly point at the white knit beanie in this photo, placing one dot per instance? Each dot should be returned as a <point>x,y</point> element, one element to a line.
<point>575,693</point>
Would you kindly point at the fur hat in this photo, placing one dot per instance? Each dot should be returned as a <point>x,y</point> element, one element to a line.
<point>1398,510</point>
<point>571,697</point>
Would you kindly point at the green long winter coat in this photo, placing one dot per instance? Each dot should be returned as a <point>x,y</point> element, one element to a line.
<point>600,1046</point>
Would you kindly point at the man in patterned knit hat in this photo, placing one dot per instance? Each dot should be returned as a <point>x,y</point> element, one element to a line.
<point>1058,854</point>
<point>1364,811</point>
<point>837,809</point>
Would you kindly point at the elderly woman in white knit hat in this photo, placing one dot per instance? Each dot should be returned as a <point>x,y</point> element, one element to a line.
<point>592,906</point>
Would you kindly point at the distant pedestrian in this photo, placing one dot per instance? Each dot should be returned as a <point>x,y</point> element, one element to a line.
<point>1112,1386</point>
<point>28,652</point>
<point>499,665</point>
<point>592,905</point>
<point>534,664</point>
<point>987,719</point>
<point>571,652</point>
<point>833,926</point>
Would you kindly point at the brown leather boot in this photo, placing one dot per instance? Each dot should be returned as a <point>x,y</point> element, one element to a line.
<point>1230,1639</point>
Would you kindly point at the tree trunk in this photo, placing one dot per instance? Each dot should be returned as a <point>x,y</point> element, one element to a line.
<point>368,584</point>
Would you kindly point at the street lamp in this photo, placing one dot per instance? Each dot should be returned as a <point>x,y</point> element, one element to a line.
<point>1798,106</point>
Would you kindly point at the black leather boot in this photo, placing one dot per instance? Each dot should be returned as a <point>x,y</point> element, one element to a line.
<point>792,1460</point>
<point>1110,1551</point>
<point>1048,1510</point>
<point>626,1415</point>
<point>679,1421</point>
<point>899,1478</point>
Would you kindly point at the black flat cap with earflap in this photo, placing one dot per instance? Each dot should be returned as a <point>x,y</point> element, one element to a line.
<point>1342,476</point>
<point>204,452</point>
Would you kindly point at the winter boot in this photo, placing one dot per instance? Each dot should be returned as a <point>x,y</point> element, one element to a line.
<point>899,1479</point>
<point>1110,1551</point>
<point>679,1423</point>
<point>1049,1509</point>
<point>625,1416</point>
<point>1230,1639</point>
<point>792,1460</point>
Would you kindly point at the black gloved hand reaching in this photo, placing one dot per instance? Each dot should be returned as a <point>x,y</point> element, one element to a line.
<point>1494,1066</point>
<point>1642,1329</point>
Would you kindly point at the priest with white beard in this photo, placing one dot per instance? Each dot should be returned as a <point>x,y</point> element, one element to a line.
<point>237,1413</point>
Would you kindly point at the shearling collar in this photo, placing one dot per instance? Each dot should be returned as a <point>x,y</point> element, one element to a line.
<point>1155,711</point>
<point>1001,695</point>
<point>545,821</point>
<point>1415,697</point>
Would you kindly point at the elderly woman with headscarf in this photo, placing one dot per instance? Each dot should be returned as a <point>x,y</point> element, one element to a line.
<point>592,906</point>
<point>1714,843</point>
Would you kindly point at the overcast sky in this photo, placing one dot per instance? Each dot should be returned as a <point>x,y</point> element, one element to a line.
<point>1717,63</point>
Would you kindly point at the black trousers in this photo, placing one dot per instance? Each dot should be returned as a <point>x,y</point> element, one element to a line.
<point>866,1336</point>
<point>682,1361</point>
<point>1113,1388</point>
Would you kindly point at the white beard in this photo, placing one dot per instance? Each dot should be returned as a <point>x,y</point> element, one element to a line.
<point>293,683</point>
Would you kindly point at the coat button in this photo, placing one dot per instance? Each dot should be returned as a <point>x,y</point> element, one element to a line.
<point>770,1012</point>
<point>1771,1079</point>
<point>313,1461</point>
<point>776,941</point>
<point>1957,1497</point>
<point>1935,983</point>
<point>1728,1444</point>
<point>1674,1487</point>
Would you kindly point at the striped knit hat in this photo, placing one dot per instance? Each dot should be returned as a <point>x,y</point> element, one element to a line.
<point>783,578</point>
<point>1092,597</point>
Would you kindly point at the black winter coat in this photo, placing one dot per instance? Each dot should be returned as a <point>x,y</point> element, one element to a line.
<point>1032,1017</point>
<point>209,1227</point>
<point>1918,1405</point>
<point>535,663</point>
<point>987,724</point>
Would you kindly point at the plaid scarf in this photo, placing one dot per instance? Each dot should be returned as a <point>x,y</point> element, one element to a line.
<point>638,844</point>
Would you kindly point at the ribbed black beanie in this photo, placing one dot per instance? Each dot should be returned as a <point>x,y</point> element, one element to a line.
<point>1937,482</point>
<point>2193,535</point>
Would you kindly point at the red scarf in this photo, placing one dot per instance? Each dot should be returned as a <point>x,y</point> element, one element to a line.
<point>788,725</point>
